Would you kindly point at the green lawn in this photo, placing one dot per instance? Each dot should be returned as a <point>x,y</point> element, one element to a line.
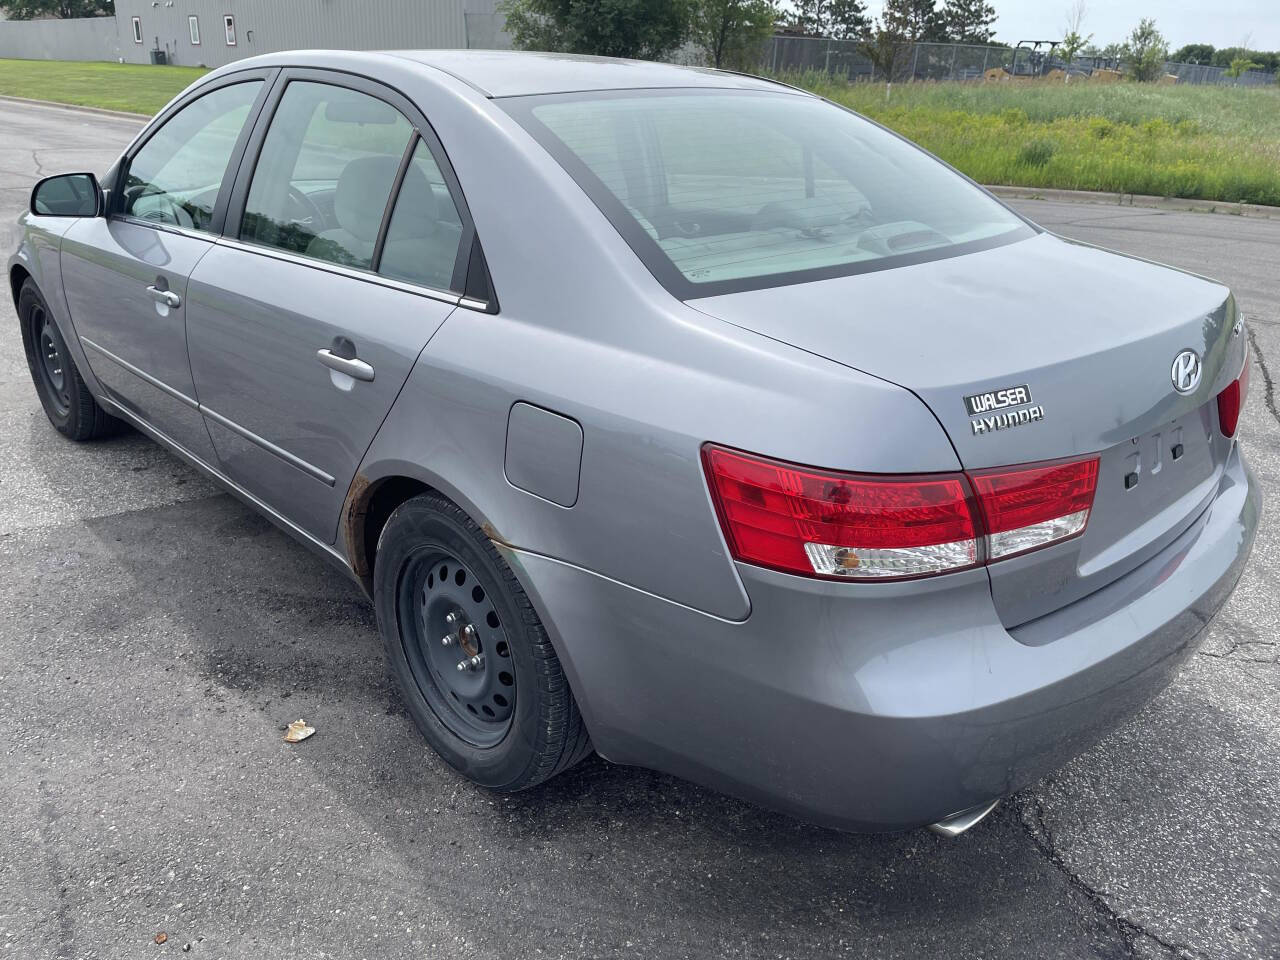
<point>1210,143</point>
<point>115,86</point>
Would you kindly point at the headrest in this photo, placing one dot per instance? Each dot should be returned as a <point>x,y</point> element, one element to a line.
<point>361,195</point>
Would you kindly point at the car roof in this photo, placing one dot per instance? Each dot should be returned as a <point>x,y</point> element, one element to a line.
<point>512,73</point>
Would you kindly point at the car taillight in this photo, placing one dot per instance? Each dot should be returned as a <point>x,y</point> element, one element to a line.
<point>1028,507</point>
<point>1231,400</point>
<point>850,526</point>
<point>845,525</point>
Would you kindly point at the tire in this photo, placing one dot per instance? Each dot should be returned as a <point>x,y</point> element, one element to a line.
<point>67,402</point>
<point>431,561</point>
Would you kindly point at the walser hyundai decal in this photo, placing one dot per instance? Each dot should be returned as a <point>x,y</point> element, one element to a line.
<point>991,411</point>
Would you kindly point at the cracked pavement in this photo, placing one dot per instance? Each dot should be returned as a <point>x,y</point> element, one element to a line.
<point>156,637</point>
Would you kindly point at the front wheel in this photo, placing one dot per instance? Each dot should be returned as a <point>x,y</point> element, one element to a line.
<point>66,399</point>
<point>472,659</point>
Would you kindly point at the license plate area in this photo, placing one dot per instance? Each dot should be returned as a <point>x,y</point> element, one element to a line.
<point>1150,486</point>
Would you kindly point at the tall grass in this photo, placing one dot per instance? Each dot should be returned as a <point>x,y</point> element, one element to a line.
<point>1199,142</point>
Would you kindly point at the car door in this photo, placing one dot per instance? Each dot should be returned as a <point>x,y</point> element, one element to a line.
<point>125,275</point>
<point>346,249</point>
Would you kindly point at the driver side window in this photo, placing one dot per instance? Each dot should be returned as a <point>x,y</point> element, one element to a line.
<point>325,173</point>
<point>176,177</point>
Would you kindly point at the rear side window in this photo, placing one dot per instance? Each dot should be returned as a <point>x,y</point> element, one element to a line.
<point>425,232</point>
<point>325,173</point>
<point>177,176</point>
<point>721,190</point>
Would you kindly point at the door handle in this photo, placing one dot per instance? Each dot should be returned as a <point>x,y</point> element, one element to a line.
<point>352,368</point>
<point>167,297</point>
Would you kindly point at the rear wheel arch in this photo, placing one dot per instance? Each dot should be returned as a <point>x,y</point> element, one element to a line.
<point>375,493</point>
<point>372,499</point>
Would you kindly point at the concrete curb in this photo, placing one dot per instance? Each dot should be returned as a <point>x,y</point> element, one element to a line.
<point>75,108</point>
<point>1178,204</point>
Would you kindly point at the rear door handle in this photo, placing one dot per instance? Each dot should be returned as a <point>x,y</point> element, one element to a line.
<point>352,368</point>
<point>167,297</point>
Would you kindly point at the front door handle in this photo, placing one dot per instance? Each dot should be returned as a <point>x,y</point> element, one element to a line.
<point>357,369</point>
<point>167,297</point>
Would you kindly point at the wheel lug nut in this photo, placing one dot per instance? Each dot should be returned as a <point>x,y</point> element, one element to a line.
<point>471,663</point>
<point>469,632</point>
<point>448,640</point>
<point>452,618</point>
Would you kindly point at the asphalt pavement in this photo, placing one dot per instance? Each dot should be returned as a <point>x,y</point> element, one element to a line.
<point>156,637</point>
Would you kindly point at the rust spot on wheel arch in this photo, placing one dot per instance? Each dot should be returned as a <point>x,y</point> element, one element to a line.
<point>354,511</point>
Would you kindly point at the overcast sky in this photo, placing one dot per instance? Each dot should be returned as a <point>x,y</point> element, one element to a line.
<point>1223,23</point>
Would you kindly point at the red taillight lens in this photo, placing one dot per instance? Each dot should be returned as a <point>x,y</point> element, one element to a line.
<point>1028,507</point>
<point>851,526</point>
<point>1231,400</point>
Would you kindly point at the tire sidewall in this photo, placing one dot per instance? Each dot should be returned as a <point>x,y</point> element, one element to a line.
<point>423,525</point>
<point>28,299</point>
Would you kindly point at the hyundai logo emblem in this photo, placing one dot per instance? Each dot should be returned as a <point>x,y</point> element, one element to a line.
<point>1186,371</point>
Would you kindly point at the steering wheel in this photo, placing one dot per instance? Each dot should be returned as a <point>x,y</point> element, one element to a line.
<point>311,216</point>
<point>162,208</point>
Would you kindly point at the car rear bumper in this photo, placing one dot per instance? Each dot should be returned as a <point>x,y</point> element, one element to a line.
<point>877,707</point>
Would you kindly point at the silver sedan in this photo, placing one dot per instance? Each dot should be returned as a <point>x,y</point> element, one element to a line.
<point>675,414</point>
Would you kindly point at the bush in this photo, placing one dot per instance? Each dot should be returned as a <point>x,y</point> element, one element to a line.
<point>1036,153</point>
<point>1100,128</point>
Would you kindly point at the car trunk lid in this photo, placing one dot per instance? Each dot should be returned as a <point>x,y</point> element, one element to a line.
<point>1055,350</point>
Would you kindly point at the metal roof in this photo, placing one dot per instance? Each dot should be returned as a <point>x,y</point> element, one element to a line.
<point>509,73</point>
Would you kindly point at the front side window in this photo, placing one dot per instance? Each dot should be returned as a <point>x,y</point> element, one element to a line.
<point>325,173</point>
<point>724,190</point>
<point>177,176</point>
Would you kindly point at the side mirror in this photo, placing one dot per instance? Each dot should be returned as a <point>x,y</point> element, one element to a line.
<point>68,195</point>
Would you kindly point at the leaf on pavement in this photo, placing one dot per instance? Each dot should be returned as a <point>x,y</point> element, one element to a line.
<point>298,731</point>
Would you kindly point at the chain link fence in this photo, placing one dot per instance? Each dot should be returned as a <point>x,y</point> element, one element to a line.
<point>959,62</point>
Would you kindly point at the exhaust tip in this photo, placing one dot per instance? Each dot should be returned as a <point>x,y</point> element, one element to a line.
<point>958,823</point>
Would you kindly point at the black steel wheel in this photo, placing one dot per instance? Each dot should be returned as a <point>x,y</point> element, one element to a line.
<point>55,380</point>
<point>66,399</point>
<point>474,664</point>
<point>457,647</point>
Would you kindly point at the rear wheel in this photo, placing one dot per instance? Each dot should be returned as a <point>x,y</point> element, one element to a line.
<point>472,659</point>
<point>67,402</point>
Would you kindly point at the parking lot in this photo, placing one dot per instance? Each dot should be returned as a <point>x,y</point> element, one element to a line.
<point>156,636</point>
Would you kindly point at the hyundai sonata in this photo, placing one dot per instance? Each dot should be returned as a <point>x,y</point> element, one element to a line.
<point>675,414</point>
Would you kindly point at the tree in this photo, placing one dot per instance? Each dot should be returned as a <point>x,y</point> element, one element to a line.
<point>842,19</point>
<point>968,21</point>
<point>913,21</point>
<point>1201,53</point>
<point>1073,41</point>
<point>1227,55</point>
<point>883,48</point>
<point>849,20</point>
<point>1112,51</point>
<point>643,29</point>
<point>1146,51</point>
<point>1241,65</point>
<point>732,32</point>
<point>65,9</point>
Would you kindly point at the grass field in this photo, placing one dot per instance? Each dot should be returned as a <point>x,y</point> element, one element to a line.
<point>1211,143</point>
<point>114,86</point>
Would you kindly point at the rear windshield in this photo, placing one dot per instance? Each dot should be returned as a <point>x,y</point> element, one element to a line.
<point>719,191</point>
